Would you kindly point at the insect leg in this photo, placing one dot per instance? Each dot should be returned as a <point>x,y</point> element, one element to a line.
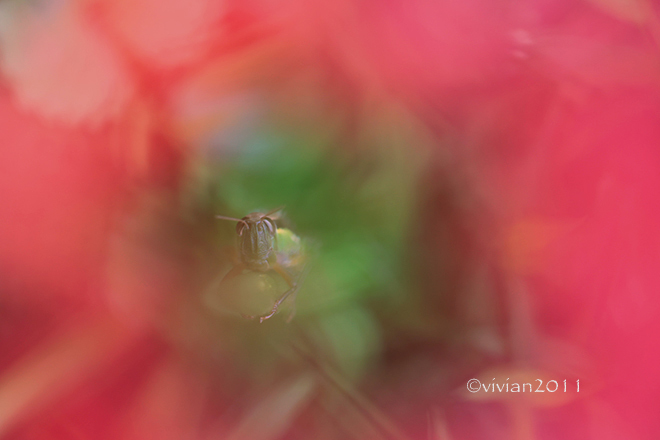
<point>293,287</point>
<point>293,290</point>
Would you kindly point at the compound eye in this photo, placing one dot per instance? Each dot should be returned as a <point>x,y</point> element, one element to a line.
<point>270,223</point>
<point>240,227</point>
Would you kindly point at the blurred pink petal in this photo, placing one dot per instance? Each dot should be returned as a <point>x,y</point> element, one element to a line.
<point>59,187</point>
<point>164,33</point>
<point>56,368</point>
<point>168,406</point>
<point>638,11</point>
<point>274,413</point>
<point>59,66</point>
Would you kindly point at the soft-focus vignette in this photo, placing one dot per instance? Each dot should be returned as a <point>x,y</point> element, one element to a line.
<point>475,186</point>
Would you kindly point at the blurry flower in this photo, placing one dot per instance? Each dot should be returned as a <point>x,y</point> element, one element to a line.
<point>480,181</point>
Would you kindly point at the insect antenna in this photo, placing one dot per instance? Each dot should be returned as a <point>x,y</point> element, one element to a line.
<point>222,217</point>
<point>269,213</point>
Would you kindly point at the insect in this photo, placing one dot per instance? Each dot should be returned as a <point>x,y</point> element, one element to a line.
<point>258,251</point>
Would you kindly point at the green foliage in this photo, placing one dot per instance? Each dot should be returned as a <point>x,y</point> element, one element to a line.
<point>351,211</point>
